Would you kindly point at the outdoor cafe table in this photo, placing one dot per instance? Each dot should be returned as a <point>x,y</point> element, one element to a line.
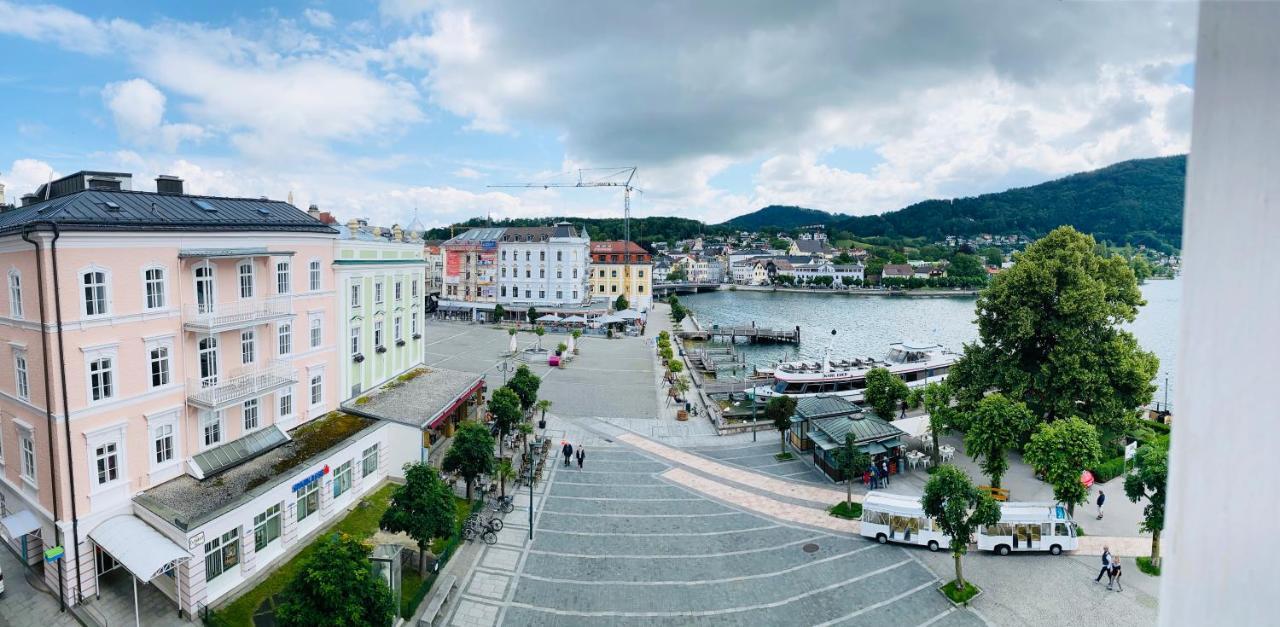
<point>947,451</point>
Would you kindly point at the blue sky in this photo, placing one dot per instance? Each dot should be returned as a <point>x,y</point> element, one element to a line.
<point>414,108</point>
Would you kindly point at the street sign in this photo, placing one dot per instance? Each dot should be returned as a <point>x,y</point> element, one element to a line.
<point>1130,450</point>
<point>54,554</point>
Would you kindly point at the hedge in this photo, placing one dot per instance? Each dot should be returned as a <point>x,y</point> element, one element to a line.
<point>1108,470</point>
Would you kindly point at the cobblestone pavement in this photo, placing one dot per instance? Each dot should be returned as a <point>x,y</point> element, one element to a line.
<point>760,458</point>
<point>617,543</point>
<point>24,606</point>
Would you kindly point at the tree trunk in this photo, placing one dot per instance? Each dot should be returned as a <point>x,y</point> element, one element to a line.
<point>422,562</point>
<point>848,489</point>
<point>468,489</point>
<point>1155,548</point>
<point>935,454</point>
<point>782,442</point>
<point>502,487</point>
<point>959,572</point>
<point>1071,510</point>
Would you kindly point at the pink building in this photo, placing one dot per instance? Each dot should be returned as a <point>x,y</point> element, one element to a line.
<point>151,341</point>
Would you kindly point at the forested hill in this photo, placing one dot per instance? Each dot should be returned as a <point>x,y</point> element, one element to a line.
<point>780,217</point>
<point>643,230</point>
<point>1135,202</point>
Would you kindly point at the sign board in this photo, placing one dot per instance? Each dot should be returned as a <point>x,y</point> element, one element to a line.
<point>1130,450</point>
<point>54,554</point>
<point>310,479</point>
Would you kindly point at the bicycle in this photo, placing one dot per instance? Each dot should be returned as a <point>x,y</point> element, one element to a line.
<point>505,504</point>
<point>473,521</point>
<point>487,532</point>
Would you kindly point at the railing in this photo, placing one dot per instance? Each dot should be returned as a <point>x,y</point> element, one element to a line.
<point>240,384</point>
<point>236,313</point>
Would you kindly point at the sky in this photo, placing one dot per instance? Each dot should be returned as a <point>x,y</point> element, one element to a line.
<point>405,110</point>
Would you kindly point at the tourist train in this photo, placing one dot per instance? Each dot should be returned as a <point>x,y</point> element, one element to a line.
<point>916,363</point>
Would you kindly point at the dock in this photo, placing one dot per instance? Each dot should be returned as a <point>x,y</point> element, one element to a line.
<point>752,334</point>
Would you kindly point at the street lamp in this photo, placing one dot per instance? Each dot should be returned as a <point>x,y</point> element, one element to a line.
<point>528,451</point>
<point>505,368</point>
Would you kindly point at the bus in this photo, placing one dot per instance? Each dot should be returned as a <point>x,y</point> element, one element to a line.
<point>1029,527</point>
<point>898,518</point>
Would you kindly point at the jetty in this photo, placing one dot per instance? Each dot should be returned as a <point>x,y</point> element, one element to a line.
<point>752,334</point>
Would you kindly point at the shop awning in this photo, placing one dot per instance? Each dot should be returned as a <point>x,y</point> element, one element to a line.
<point>142,550</point>
<point>872,448</point>
<point>461,398</point>
<point>19,524</point>
<point>914,426</point>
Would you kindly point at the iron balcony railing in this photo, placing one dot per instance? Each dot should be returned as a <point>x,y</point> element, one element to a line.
<point>240,385</point>
<point>236,314</point>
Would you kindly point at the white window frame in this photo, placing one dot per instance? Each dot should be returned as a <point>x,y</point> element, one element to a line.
<point>355,339</point>
<point>399,290</point>
<point>413,287</point>
<point>282,396</point>
<point>105,469</point>
<point>21,375</point>
<point>112,382</point>
<point>15,294</point>
<point>227,543</point>
<point>205,423</point>
<point>27,452</point>
<point>251,407</point>
<point>301,496</point>
<point>167,363</point>
<point>261,522</point>
<point>284,282</point>
<point>342,479</point>
<point>378,292</point>
<point>248,347</point>
<point>397,328</point>
<point>315,279</point>
<point>284,338</point>
<point>163,431</point>
<point>356,297</point>
<point>378,334</point>
<point>210,306</point>
<point>315,388</point>
<point>105,287</point>
<point>413,323</point>
<point>245,287</point>
<point>208,379</point>
<point>316,331</point>
<point>161,286</point>
<point>369,461</point>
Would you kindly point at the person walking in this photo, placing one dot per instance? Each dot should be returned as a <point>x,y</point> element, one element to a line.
<point>1106,565</point>
<point>1115,575</point>
<point>567,451</point>
<point>581,454</point>
<point>1102,498</point>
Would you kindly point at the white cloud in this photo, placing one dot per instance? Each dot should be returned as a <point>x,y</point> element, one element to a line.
<point>24,176</point>
<point>57,25</point>
<point>318,18</point>
<point>138,109</point>
<point>467,173</point>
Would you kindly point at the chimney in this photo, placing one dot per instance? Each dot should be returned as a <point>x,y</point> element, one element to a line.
<point>30,199</point>
<point>397,234</point>
<point>168,184</point>
<point>313,211</point>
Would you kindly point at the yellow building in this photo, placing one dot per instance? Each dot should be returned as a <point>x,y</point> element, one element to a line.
<point>609,277</point>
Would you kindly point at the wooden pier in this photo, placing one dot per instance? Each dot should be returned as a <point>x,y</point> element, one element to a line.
<point>752,334</point>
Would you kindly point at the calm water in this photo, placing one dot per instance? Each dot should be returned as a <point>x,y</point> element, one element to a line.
<point>865,326</point>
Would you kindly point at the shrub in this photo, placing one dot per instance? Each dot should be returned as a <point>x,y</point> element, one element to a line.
<point>1109,469</point>
<point>851,511</point>
<point>1145,565</point>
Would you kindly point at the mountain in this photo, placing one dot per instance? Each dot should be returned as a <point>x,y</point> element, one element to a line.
<point>643,230</point>
<point>780,217</point>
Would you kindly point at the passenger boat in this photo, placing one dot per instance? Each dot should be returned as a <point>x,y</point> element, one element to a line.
<point>916,363</point>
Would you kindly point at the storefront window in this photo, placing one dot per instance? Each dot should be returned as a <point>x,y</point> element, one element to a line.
<point>342,479</point>
<point>266,527</point>
<point>221,554</point>
<point>370,463</point>
<point>308,500</point>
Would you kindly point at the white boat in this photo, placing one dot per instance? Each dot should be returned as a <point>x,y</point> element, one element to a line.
<point>916,363</point>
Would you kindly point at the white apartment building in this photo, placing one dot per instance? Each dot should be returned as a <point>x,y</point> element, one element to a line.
<point>543,266</point>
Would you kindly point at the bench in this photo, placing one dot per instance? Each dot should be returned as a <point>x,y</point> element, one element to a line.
<point>445,588</point>
<point>999,494</point>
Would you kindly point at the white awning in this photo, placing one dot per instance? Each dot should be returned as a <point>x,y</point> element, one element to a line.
<point>914,426</point>
<point>19,524</point>
<point>142,550</point>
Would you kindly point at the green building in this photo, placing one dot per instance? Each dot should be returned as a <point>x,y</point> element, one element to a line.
<point>380,275</point>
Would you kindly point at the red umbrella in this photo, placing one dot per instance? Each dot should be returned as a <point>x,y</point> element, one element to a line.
<point>1086,478</point>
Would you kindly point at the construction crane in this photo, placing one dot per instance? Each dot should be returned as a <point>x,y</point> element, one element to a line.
<point>605,177</point>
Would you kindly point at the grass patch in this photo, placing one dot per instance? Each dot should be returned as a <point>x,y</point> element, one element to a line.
<point>844,509</point>
<point>1145,565</point>
<point>363,400</point>
<point>412,374</point>
<point>782,457</point>
<point>361,523</point>
<point>312,439</point>
<point>960,597</point>
<point>1079,531</point>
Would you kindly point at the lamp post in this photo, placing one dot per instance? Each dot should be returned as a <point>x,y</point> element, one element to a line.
<point>529,455</point>
<point>505,368</point>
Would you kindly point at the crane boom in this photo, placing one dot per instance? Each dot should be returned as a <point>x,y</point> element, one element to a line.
<point>608,177</point>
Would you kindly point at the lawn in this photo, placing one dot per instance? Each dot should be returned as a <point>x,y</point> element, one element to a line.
<point>362,522</point>
<point>960,597</point>
<point>850,511</point>
<point>1145,565</point>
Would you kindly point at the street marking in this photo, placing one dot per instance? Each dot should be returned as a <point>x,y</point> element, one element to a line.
<point>662,534</point>
<point>721,612</point>
<point>945,613</point>
<point>881,604</point>
<point>682,556</point>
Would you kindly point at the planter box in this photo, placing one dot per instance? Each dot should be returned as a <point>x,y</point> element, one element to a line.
<point>682,415</point>
<point>966,603</point>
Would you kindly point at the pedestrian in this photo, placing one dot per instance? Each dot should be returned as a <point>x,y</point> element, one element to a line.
<point>1115,574</point>
<point>1106,565</point>
<point>582,454</point>
<point>567,451</point>
<point>1102,498</point>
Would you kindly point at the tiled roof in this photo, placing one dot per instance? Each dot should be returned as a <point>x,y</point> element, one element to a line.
<point>900,269</point>
<point>99,209</point>
<point>616,246</point>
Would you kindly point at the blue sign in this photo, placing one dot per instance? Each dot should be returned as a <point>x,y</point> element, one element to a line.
<point>310,479</point>
<point>1061,512</point>
<point>54,554</point>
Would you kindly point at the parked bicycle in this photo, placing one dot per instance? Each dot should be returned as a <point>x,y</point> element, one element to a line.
<point>488,530</point>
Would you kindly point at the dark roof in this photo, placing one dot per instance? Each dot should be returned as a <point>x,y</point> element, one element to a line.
<point>528,233</point>
<point>824,406</point>
<point>97,209</point>
<point>812,245</point>
<point>898,269</point>
<point>864,427</point>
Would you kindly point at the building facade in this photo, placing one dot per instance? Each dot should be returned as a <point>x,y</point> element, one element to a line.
<point>382,278</point>
<point>621,268</point>
<point>543,266</point>
<point>471,267</point>
<point>147,334</point>
<point>433,254</point>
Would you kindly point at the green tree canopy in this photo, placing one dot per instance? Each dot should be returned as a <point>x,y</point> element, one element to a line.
<point>1062,450</point>
<point>885,392</point>
<point>505,407</point>
<point>937,402</point>
<point>1050,335</point>
<point>959,508</point>
<point>779,410</point>
<point>996,426</point>
<point>336,586</point>
<point>499,312</point>
<point>525,384</point>
<point>620,303</point>
<point>471,453</point>
<point>966,265</point>
<point>992,256</point>
<point>1150,480</point>
<point>852,462</point>
<point>678,273</point>
<point>422,508</point>
<point>531,315</point>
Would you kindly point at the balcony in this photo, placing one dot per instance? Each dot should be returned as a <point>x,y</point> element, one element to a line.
<point>240,385</point>
<point>238,314</point>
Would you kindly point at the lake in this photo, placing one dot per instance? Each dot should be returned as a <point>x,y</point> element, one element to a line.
<point>867,325</point>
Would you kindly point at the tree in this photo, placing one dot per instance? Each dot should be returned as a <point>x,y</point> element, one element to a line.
<point>505,407</point>
<point>539,331</point>
<point>959,509</point>
<point>525,384</point>
<point>966,265</point>
<point>471,453</point>
<point>897,258</point>
<point>848,281</point>
<point>504,472</point>
<point>937,402</point>
<point>1062,450</point>
<point>1150,480</point>
<point>997,425</point>
<point>678,312</point>
<point>676,367</point>
<point>621,303</point>
<point>851,461</point>
<point>678,273</point>
<point>499,313</point>
<point>843,259</point>
<point>422,508</point>
<point>531,315</point>
<point>336,586</point>
<point>779,409</point>
<point>885,392</point>
<point>1141,268</point>
<point>543,405</point>
<point>1051,335</point>
<point>992,256</point>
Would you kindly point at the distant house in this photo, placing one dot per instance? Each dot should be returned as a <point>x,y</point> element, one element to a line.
<point>897,271</point>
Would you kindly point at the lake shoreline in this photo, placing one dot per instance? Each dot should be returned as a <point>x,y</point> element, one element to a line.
<point>855,292</point>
